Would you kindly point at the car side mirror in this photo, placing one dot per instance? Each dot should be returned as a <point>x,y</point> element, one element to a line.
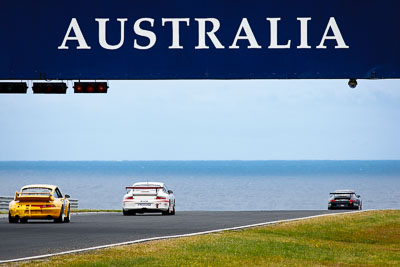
<point>67,196</point>
<point>170,192</point>
<point>358,196</point>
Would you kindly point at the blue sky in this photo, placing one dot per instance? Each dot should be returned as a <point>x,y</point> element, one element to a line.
<point>206,120</point>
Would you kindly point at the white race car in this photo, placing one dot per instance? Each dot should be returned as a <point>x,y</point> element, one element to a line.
<point>146,197</point>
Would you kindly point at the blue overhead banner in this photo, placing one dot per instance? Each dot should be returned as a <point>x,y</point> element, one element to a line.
<point>199,39</point>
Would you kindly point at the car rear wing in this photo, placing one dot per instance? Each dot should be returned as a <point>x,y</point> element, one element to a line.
<point>33,196</point>
<point>144,190</point>
<point>143,187</point>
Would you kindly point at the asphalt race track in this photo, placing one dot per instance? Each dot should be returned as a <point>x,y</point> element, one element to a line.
<point>88,230</point>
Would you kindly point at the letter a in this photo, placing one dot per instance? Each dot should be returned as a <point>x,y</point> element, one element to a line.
<point>78,36</point>
<point>336,35</point>
<point>244,25</point>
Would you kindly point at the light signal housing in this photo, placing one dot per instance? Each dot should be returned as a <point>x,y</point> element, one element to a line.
<point>352,83</point>
<point>90,87</point>
<point>13,87</point>
<point>49,88</point>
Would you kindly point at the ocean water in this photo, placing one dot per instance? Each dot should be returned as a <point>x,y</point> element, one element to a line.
<point>215,185</point>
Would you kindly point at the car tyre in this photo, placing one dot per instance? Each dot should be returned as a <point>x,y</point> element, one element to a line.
<point>67,218</point>
<point>60,219</point>
<point>23,220</point>
<point>12,219</point>
<point>128,213</point>
<point>173,211</point>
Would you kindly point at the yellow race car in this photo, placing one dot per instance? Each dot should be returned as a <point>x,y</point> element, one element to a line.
<point>39,201</point>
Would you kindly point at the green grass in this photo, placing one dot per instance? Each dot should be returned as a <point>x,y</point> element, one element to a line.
<point>3,212</point>
<point>363,239</point>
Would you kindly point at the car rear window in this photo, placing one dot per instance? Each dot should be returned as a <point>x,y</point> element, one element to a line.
<point>147,185</point>
<point>343,195</point>
<point>36,190</point>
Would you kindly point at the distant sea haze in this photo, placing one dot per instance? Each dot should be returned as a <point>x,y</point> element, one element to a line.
<point>214,185</point>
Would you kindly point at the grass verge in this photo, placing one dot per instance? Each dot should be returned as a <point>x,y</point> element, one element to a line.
<point>361,239</point>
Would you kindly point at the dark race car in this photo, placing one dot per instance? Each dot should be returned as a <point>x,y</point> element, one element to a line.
<point>344,199</point>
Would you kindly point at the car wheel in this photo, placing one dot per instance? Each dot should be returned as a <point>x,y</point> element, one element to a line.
<point>12,219</point>
<point>60,219</point>
<point>23,220</point>
<point>67,218</point>
<point>173,211</point>
<point>168,211</point>
<point>128,213</point>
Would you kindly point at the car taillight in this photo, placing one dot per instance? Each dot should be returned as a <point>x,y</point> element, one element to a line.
<point>161,198</point>
<point>332,200</point>
<point>129,197</point>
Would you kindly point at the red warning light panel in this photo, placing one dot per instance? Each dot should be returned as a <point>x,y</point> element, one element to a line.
<point>13,87</point>
<point>49,88</point>
<point>90,87</point>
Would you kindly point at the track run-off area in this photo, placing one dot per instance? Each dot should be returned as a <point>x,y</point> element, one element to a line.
<point>87,231</point>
